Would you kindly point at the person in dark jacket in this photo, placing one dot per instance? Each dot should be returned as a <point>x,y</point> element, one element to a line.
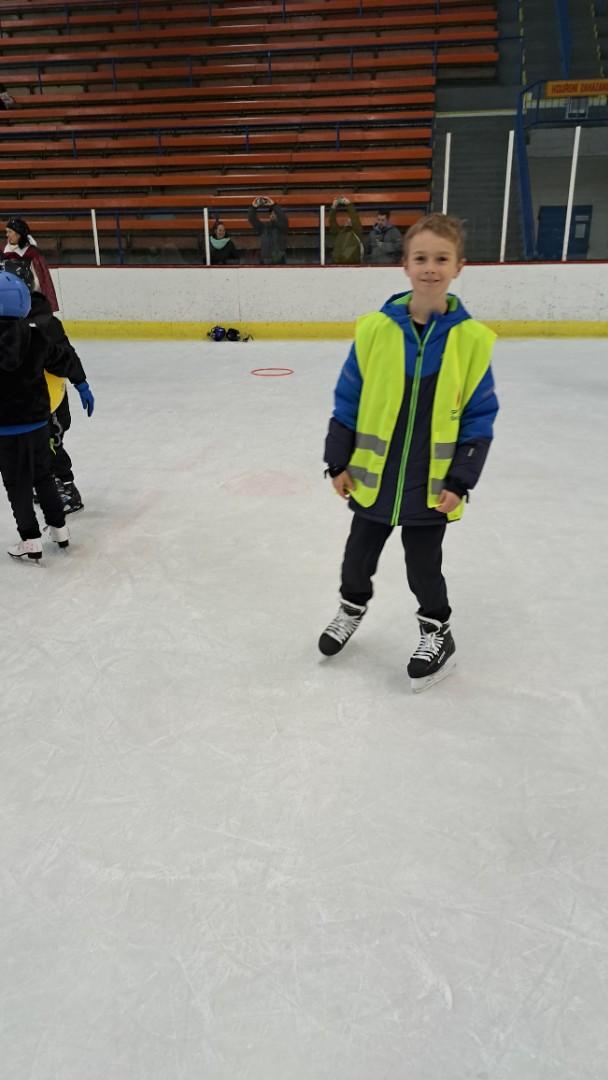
<point>411,429</point>
<point>222,247</point>
<point>20,244</point>
<point>7,100</point>
<point>272,230</point>
<point>384,242</point>
<point>61,419</point>
<point>25,456</point>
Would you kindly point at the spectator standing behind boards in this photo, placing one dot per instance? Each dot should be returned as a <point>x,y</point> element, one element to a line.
<point>20,244</point>
<point>272,230</point>
<point>347,235</point>
<point>384,243</point>
<point>222,248</point>
<point>7,100</point>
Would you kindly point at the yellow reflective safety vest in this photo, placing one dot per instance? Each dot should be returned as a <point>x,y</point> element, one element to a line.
<point>380,347</point>
<point>56,389</point>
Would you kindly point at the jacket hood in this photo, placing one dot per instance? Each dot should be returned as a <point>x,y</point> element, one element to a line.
<point>14,334</point>
<point>397,309</point>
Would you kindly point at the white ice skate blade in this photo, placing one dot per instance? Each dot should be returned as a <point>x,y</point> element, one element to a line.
<point>418,685</point>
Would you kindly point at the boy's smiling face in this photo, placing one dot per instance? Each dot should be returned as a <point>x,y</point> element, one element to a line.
<point>431,264</point>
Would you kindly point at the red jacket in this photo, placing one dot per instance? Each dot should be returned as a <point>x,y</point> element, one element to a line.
<point>40,267</point>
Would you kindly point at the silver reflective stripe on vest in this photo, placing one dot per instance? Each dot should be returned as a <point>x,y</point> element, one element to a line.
<point>364,477</point>
<point>436,486</point>
<point>370,442</point>
<point>444,451</point>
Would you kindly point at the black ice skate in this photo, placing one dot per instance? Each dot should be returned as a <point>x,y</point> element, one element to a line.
<point>60,535</point>
<point>334,637</point>
<point>72,501</point>
<point>434,658</point>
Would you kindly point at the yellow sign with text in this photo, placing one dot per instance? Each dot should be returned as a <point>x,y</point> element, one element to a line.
<point>568,88</point>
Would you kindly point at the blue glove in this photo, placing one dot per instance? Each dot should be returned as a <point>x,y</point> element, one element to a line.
<point>86,396</point>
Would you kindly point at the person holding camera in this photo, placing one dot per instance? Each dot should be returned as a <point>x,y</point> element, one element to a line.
<point>7,100</point>
<point>271,228</point>
<point>347,233</point>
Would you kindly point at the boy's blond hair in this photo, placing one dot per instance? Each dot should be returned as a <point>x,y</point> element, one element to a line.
<point>450,228</point>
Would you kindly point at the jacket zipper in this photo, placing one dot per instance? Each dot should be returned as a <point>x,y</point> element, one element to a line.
<point>411,419</point>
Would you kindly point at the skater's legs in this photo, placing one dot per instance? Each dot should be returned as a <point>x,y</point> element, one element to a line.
<point>363,550</point>
<point>17,467</point>
<point>61,421</point>
<point>423,557</point>
<point>50,500</point>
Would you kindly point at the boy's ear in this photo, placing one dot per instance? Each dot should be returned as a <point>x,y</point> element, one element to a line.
<point>460,266</point>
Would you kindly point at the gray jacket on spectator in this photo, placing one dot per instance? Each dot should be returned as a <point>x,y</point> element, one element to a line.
<point>384,247</point>
<point>273,235</point>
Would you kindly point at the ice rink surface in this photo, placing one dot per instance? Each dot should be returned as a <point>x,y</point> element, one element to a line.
<point>226,858</point>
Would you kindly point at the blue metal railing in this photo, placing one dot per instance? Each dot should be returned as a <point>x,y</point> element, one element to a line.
<point>538,111</point>
<point>524,184</point>
<point>565,37</point>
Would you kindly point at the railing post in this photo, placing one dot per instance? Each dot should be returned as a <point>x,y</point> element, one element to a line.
<point>120,253</point>
<point>338,135</point>
<point>114,83</point>
<point>210,11</point>
<point>352,63</point>
<point>39,73</point>
<point>190,79</point>
<point>577,139</point>
<point>525,188</point>
<point>269,59</point>
<point>446,172</point>
<point>565,41</point>
<point>322,234</point>
<point>74,148</point>
<point>505,209</point>
<point>207,243</point>
<point>159,142</point>
<point>95,237</point>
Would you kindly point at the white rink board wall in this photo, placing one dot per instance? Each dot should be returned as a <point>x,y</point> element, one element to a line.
<point>509,293</point>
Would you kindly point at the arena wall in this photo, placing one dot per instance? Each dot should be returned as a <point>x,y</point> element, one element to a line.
<point>281,302</point>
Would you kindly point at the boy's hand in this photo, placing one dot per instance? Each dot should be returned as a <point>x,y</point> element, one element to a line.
<point>86,397</point>
<point>448,501</point>
<point>343,484</point>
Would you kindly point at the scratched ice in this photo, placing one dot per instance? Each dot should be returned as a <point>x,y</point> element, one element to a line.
<point>224,858</point>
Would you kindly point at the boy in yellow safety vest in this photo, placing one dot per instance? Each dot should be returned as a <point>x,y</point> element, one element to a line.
<point>410,432</point>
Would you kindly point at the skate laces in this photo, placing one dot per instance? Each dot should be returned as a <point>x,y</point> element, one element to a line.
<point>343,625</point>
<point>429,645</point>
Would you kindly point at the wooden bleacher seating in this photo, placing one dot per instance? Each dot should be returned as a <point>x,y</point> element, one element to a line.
<point>147,113</point>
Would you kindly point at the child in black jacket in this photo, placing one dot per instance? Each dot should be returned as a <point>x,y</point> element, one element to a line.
<point>25,456</point>
<point>41,315</point>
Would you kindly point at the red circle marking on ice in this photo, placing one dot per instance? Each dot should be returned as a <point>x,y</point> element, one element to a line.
<point>271,372</point>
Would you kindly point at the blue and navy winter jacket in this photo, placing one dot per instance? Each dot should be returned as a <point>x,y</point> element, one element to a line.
<point>475,429</point>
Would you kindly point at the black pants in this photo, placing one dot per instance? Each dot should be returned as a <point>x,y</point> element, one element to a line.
<point>61,420</point>
<point>423,554</point>
<point>25,464</point>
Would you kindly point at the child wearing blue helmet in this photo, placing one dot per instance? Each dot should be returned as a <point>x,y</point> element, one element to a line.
<point>25,456</point>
